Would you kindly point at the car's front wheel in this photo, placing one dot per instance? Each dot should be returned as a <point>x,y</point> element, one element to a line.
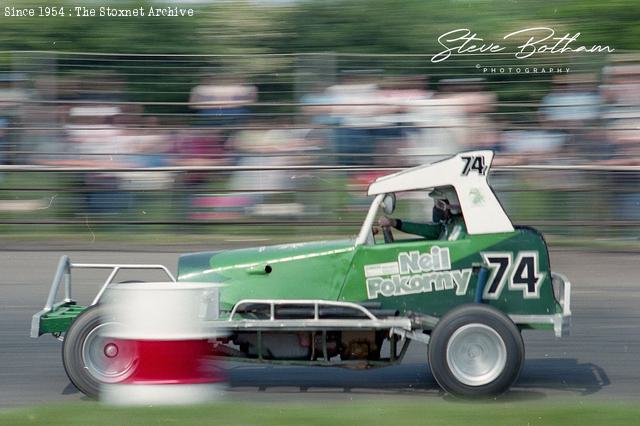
<point>476,350</point>
<point>91,358</point>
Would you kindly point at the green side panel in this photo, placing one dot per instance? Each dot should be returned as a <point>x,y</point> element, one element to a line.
<point>292,271</point>
<point>59,319</point>
<point>515,300</point>
<point>463,254</point>
<point>335,270</point>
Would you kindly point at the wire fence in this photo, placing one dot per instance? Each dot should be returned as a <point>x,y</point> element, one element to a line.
<point>286,144</point>
<point>580,203</point>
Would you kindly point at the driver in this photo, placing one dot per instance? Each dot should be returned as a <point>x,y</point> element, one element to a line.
<point>448,223</point>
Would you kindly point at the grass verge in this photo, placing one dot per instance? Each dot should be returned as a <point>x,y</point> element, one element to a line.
<point>366,413</point>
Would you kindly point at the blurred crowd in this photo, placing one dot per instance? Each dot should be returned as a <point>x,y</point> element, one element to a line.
<point>361,120</point>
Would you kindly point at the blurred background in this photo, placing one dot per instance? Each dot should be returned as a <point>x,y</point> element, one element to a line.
<point>266,120</point>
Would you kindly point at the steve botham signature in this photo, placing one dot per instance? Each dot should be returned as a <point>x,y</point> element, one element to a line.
<point>540,40</point>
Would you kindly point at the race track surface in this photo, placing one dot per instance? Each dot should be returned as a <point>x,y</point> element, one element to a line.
<point>599,360</point>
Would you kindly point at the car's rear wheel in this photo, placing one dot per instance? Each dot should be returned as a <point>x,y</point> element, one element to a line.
<point>476,350</point>
<point>90,358</point>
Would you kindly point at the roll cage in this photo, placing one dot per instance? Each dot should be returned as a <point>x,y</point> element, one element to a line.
<point>466,173</point>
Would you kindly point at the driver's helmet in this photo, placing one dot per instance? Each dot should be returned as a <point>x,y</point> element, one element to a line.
<point>445,204</point>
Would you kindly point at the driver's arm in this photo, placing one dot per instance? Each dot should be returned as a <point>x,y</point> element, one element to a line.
<point>430,231</point>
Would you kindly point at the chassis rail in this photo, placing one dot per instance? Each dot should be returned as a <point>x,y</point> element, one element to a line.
<point>313,323</point>
<point>400,329</point>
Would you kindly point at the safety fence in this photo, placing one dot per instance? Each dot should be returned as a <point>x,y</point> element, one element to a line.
<point>180,108</point>
<point>282,144</point>
<point>302,201</point>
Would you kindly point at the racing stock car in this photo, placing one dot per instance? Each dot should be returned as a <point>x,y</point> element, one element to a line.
<point>465,282</point>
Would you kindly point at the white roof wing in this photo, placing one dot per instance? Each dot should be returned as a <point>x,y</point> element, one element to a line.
<point>467,173</point>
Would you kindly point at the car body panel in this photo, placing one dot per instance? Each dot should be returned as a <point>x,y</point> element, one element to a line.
<point>437,298</point>
<point>296,271</point>
<point>337,270</point>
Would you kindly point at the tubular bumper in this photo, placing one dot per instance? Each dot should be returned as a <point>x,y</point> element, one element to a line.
<point>57,316</point>
<point>561,321</point>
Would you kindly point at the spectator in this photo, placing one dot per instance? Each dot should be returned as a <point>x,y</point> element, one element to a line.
<point>96,140</point>
<point>571,109</point>
<point>622,118</point>
<point>4,146</point>
<point>223,101</point>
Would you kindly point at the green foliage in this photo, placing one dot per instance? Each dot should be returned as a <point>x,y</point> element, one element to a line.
<point>246,33</point>
<point>365,26</point>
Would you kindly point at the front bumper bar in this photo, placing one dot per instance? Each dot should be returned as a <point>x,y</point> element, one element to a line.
<point>561,321</point>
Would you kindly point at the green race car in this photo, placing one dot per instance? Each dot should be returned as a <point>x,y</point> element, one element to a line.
<point>465,283</point>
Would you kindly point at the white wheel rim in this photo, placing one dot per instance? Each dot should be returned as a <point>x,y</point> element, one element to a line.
<point>107,359</point>
<point>476,354</point>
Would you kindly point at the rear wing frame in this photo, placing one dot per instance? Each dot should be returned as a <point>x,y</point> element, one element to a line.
<point>63,276</point>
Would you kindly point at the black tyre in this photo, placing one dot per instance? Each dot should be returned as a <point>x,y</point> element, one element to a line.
<point>91,359</point>
<point>476,351</point>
